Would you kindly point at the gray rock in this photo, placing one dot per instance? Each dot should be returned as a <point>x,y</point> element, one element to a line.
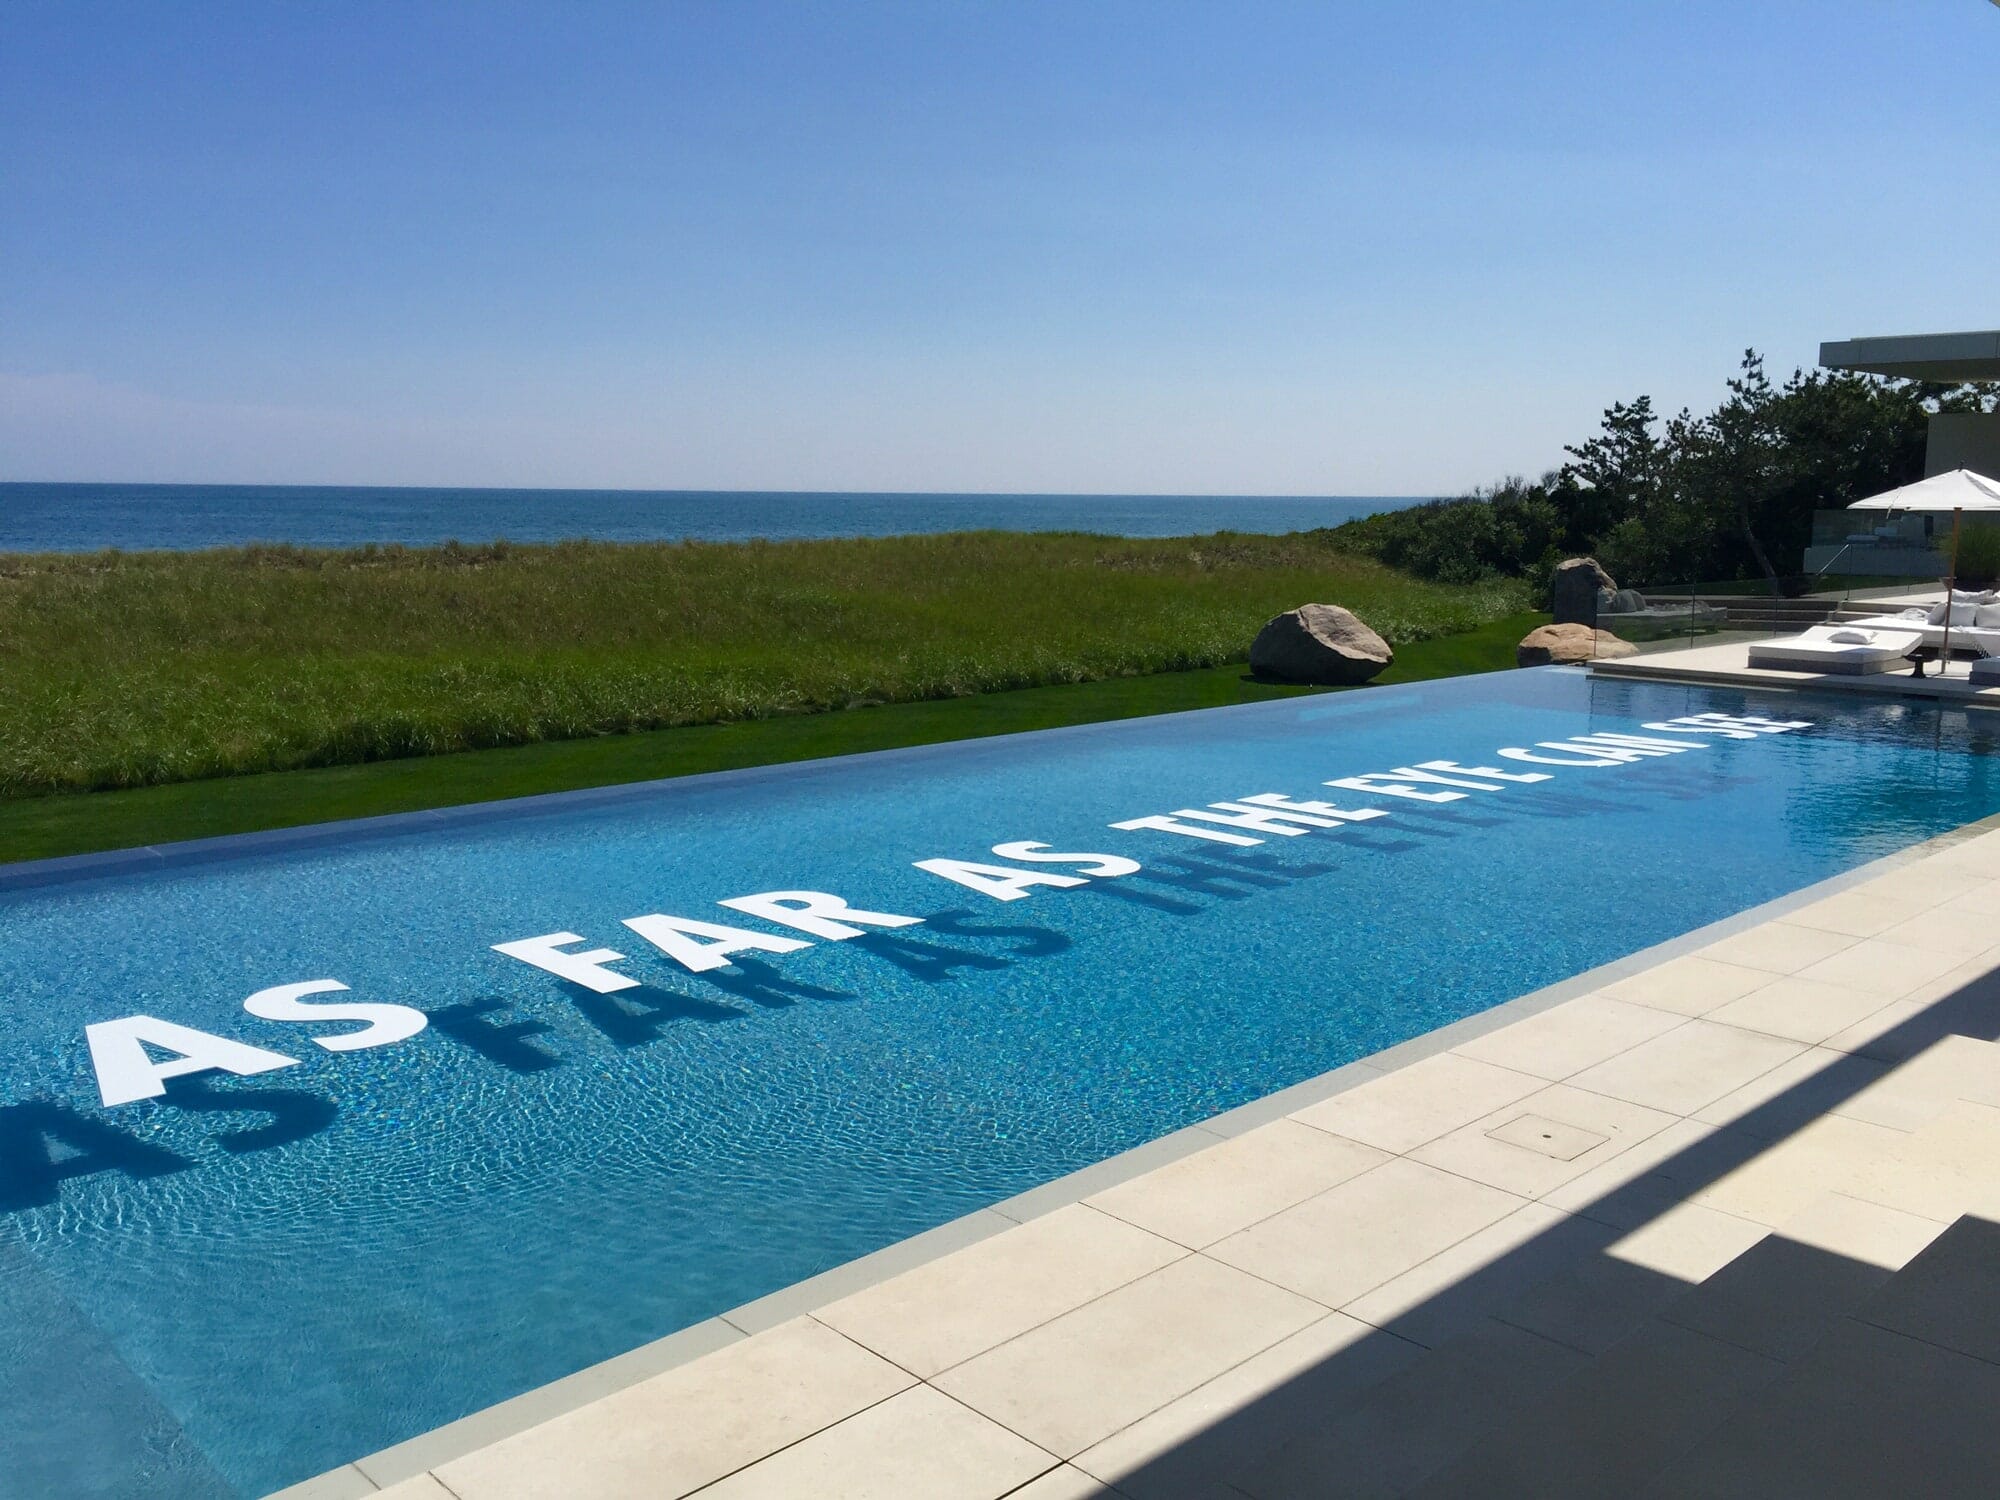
<point>1567,642</point>
<point>1577,591</point>
<point>1320,643</point>
<point>1625,602</point>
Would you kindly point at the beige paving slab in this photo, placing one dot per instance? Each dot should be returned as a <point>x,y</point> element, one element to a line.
<point>1981,900</point>
<point>1799,1090</point>
<point>1780,947</point>
<point>1802,1010</point>
<point>1352,1238</point>
<point>1947,1297</point>
<point>1443,1296</point>
<point>938,1314</point>
<point>1973,974</point>
<point>1862,1231</point>
<point>1783,1178</point>
<point>1689,1067</point>
<point>1976,856</point>
<point>1195,1444</point>
<point>1496,1151</point>
<point>1570,1037</point>
<point>1688,1242</point>
<point>1414,1421</point>
<point>418,1487</point>
<point>1930,881</point>
<point>1201,1198</point>
<point>1076,1380</point>
<point>1689,986</point>
<point>1419,1103</point>
<point>1608,1429</point>
<point>1634,1186</point>
<point>687,1427</point>
<point>1064,1483</point>
<point>1861,912</point>
<point>1913,1093</point>
<point>1886,1035</point>
<point>1779,1299</point>
<point>348,1482</point>
<point>919,1442</point>
<point>1949,1167</point>
<point>1881,967</point>
<point>1865,1414</point>
<point>1944,931</point>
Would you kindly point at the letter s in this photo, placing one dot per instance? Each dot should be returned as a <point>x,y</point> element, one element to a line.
<point>386,1023</point>
<point>1030,852</point>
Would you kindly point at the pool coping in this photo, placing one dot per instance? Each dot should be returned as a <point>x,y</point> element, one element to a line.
<point>414,1456</point>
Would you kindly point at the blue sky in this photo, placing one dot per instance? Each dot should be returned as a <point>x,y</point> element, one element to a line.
<point>1357,248</point>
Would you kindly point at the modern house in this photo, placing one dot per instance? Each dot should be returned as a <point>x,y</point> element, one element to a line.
<point>1902,546</point>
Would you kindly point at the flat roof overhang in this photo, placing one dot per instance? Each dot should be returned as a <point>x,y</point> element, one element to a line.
<point>1919,356</point>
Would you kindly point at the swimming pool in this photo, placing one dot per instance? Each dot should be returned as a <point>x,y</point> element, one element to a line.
<point>217,1281</point>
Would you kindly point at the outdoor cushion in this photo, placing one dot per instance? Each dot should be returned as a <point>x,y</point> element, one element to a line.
<point>1986,616</point>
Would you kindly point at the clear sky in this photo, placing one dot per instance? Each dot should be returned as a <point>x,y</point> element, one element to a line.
<point>1401,246</point>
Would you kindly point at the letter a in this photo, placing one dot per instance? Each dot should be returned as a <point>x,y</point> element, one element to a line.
<point>126,1070</point>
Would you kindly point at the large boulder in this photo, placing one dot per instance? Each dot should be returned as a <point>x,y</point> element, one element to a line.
<point>1569,642</point>
<point>1319,643</point>
<point>1578,590</point>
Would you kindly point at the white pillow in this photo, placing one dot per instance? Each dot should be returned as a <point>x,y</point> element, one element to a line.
<point>1851,637</point>
<point>1987,616</point>
<point>1934,615</point>
<point>1961,614</point>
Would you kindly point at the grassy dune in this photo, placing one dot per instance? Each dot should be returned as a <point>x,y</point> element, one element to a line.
<point>125,670</point>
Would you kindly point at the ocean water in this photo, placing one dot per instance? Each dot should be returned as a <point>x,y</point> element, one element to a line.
<point>139,517</point>
<point>246,1280</point>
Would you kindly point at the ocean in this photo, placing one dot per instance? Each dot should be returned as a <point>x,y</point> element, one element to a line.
<point>180,517</point>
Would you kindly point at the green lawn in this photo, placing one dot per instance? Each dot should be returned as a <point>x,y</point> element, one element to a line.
<point>129,670</point>
<point>39,827</point>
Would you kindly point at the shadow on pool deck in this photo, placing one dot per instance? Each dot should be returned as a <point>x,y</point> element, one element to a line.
<point>1558,1369</point>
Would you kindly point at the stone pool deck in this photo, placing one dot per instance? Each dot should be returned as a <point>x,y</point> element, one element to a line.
<point>1727,664</point>
<point>1694,1224</point>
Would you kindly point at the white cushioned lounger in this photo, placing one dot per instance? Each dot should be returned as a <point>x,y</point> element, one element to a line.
<point>1823,649</point>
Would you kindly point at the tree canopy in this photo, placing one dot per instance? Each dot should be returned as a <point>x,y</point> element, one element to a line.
<point>1723,496</point>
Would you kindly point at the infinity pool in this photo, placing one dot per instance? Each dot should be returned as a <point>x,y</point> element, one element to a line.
<point>232,1256</point>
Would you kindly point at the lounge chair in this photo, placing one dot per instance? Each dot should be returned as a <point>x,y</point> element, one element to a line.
<point>1853,650</point>
<point>1975,625</point>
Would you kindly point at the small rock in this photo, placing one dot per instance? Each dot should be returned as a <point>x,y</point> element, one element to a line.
<point>1577,590</point>
<point>1625,602</point>
<point>1570,642</point>
<point>1320,643</point>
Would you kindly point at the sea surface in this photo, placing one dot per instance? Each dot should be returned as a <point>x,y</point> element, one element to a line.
<point>179,517</point>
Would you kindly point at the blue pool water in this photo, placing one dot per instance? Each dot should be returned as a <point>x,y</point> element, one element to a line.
<point>251,1279</point>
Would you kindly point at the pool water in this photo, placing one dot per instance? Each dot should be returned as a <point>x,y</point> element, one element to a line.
<point>252,1277</point>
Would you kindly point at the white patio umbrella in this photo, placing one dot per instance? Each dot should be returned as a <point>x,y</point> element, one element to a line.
<point>1957,491</point>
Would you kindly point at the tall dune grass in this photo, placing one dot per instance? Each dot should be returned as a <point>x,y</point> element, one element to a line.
<point>130,669</point>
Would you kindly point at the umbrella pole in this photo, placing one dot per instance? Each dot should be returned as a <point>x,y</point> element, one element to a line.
<point>1950,588</point>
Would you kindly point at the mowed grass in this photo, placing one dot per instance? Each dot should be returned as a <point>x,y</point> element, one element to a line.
<point>130,670</point>
<point>43,827</point>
